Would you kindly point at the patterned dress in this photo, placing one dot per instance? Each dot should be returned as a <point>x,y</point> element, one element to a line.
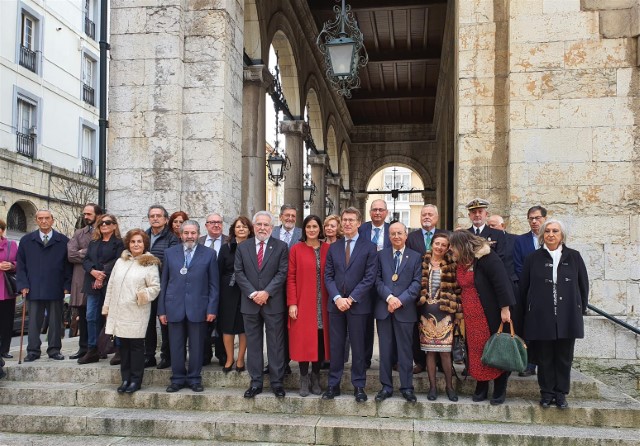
<point>477,329</point>
<point>436,326</point>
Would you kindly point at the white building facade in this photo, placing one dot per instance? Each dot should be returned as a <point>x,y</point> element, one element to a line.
<point>49,72</point>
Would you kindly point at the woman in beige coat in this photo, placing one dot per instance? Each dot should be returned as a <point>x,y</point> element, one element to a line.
<point>134,283</point>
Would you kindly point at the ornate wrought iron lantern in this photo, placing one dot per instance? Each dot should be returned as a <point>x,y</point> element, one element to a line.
<point>308,190</point>
<point>342,44</point>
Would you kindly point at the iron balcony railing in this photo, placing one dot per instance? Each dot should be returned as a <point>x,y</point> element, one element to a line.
<point>26,144</point>
<point>88,168</point>
<point>27,58</point>
<point>89,28</point>
<point>88,94</point>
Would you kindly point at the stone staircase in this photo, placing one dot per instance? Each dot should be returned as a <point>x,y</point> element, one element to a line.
<point>59,402</point>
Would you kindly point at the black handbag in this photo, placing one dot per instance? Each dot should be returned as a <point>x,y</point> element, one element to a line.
<point>10,277</point>
<point>505,351</point>
<point>459,350</point>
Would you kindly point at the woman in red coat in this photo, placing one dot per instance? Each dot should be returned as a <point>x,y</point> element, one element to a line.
<point>307,301</point>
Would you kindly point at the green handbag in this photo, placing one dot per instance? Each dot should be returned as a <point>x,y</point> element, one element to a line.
<point>505,351</point>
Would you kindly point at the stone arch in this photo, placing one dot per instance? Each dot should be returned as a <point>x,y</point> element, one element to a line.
<point>279,30</point>
<point>315,117</point>
<point>252,41</point>
<point>374,166</point>
<point>332,145</point>
<point>21,216</point>
<point>344,167</point>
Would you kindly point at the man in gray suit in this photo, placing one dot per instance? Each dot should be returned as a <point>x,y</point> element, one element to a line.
<point>261,272</point>
<point>214,238</point>
<point>398,285</point>
<point>188,300</point>
<point>287,230</point>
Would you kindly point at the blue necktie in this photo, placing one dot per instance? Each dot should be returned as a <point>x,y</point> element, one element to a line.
<point>376,235</point>
<point>397,256</point>
<point>187,257</point>
<point>427,240</point>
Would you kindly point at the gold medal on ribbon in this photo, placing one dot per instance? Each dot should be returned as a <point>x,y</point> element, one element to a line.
<point>394,277</point>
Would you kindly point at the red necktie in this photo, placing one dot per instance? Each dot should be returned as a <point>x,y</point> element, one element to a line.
<point>260,255</point>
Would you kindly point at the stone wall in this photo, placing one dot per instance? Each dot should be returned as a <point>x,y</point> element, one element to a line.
<point>175,108</point>
<point>561,131</point>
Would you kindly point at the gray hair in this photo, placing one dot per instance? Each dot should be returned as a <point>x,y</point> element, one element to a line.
<point>190,223</point>
<point>213,213</point>
<point>286,207</point>
<point>563,231</point>
<point>158,206</point>
<point>397,222</point>
<point>265,213</point>
<point>45,210</point>
<point>431,206</point>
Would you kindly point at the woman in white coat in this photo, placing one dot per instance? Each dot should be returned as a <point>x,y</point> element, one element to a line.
<point>134,283</point>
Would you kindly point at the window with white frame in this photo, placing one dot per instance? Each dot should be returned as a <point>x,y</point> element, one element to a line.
<point>28,42</point>
<point>89,22</point>
<point>88,140</point>
<point>402,182</point>
<point>88,79</point>
<point>26,127</point>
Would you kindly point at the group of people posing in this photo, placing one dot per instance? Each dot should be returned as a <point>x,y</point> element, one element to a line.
<point>312,292</point>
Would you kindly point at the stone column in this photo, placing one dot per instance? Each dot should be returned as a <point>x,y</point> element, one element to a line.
<point>318,170</point>
<point>333,185</point>
<point>345,200</point>
<point>257,80</point>
<point>294,132</point>
<point>361,204</point>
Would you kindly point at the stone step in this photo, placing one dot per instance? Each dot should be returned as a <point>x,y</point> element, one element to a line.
<point>45,370</point>
<point>614,412</point>
<point>298,428</point>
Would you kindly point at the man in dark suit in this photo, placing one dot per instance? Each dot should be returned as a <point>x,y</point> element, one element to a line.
<point>376,230</point>
<point>43,276</point>
<point>398,285</point>
<point>420,241</point>
<point>350,273</point>
<point>287,230</point>
<point>214,239</point>
<point>478,215</point>
<point>162,237</point>
<point>261,272</point>
<point>523,246</point>
<point>189,273</point>
<point>497,222</point>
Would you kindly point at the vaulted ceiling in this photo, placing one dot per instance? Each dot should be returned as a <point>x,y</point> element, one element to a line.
<point>404,41</point>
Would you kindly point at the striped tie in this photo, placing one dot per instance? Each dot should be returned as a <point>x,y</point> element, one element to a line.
<point>260,255</point>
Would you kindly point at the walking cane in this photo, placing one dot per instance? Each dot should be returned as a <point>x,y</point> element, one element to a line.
<point>24,313</point>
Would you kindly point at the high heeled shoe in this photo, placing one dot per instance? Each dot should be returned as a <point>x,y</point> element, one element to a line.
<point>226,370</point>
<point>240,369</point>
<point>482,389</point>
<point>451,394</point>
<point>433,394</point>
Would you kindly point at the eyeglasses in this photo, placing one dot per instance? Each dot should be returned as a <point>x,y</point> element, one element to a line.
<point>214,222</point>
<point>107,223</point>
<point>536,218</point>
<point>153,216</point>
<point>378,210</point>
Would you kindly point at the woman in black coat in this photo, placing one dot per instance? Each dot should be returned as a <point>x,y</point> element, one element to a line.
<point>487,294</point>
<point>555,289</point>
<point>102,253</point>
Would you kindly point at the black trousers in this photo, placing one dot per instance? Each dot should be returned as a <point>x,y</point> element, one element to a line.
<point>151,338</point>
<point>132,357</point>
<point>83,337</point>
<point>554,359</point>
<point>7,311</point>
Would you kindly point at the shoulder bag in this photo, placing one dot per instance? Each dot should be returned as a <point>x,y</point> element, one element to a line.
<point>10,276</point>
<point>505,351</point>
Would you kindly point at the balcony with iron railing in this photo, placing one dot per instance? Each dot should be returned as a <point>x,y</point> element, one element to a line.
<point>88,167</point>
<point>26,144</point>
<point>88,94</point>
<point>28,58</point>
<point>89,28</point>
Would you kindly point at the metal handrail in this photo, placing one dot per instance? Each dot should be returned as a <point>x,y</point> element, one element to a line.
<point>614,319</point>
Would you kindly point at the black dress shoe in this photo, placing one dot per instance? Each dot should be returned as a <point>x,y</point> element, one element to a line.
<point>279,392</point>
<point>77,355</point>
<point>545,403</point>
<point>7,355</point>
<point>123,386</point>
<point>150,362</point>
<point>561,402</point>
<point>31,357</point>
<point>527,372</point>
<point>383,395</point>
<point>481,392</point>
<point>252,392</point>
<point>331,393</point>
<point>163,364</point>
<point>57,356</point>
<point>433,394</point>
<point>266,370</point>
<point>197,387</point>
<point>133,387</point>
<point>409,396</point>
<point>173,387</point>
<point>361,397</point>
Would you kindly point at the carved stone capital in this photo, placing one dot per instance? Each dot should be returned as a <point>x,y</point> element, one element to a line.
<point>320,159</point>
<point>345,195</point>
<point>258,74</point>
<point>295,128</point>
<point>333,180</point>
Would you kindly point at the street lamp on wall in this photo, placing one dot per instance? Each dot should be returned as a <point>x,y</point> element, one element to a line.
<point>308,190</point>
<point>342,44</point>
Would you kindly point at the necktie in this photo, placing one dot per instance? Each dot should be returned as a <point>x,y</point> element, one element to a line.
<point>187,257</point>
<point>287,237</point>
<point>348,251</point>
<point>478,231</point>
<point>376,236</point>
<point>45,240</point>
<point>398,257</point>
<point>260,255</point>
<point>427,240</point>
